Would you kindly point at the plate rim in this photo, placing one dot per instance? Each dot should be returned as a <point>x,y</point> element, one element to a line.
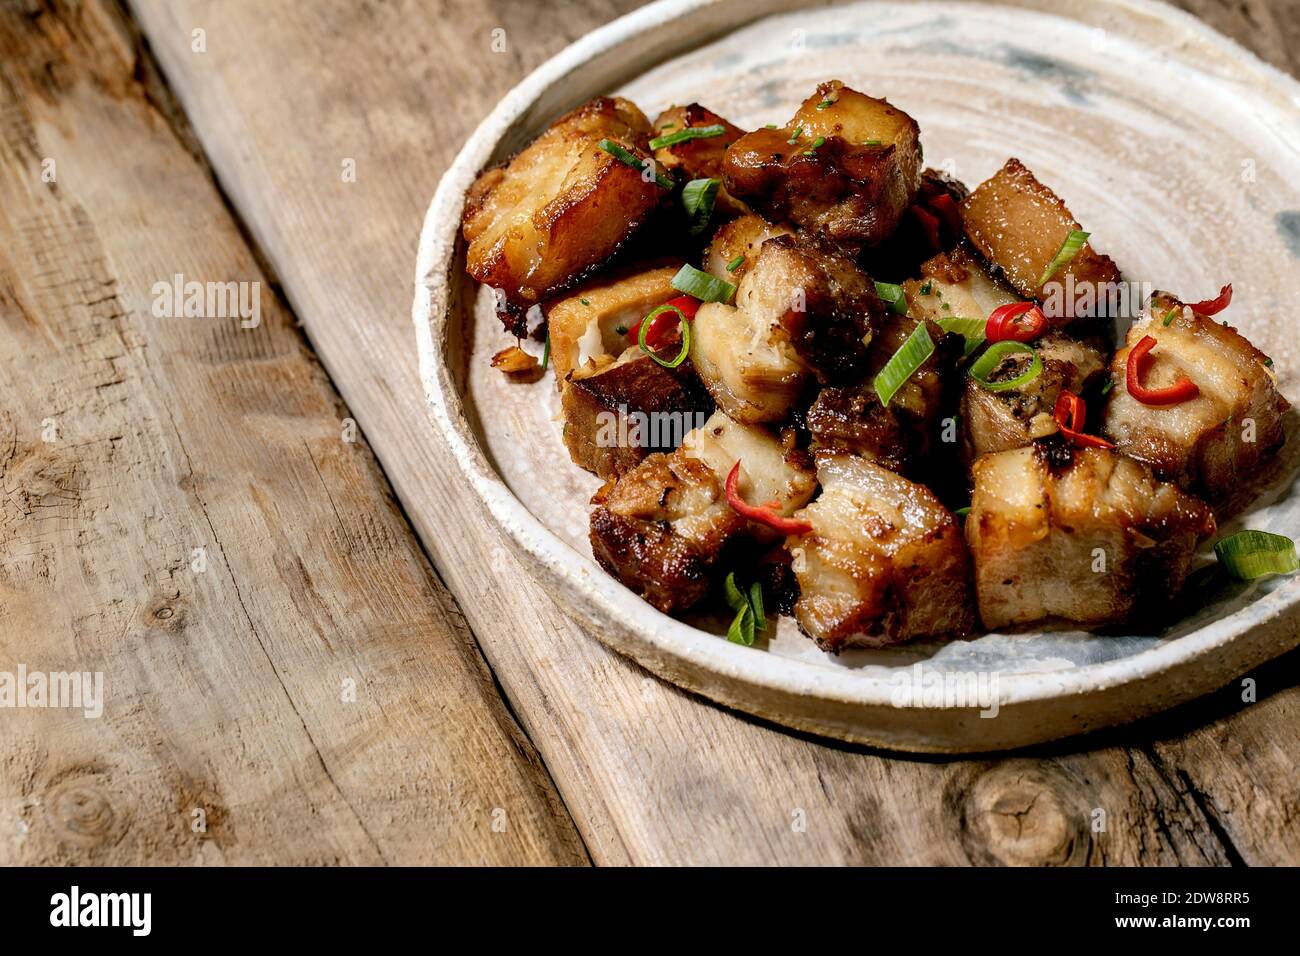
<point>620,618</point>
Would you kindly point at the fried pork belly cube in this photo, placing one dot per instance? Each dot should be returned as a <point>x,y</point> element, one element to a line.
<point>1087,535</point>
<point>997,421</point>
<point>1019,225</point>
<point>844,174</point>
<point>800,314</point>
<point>588,328</point>
<point>849,420</point>
<point>560,207</point>
<point>742,239</point>
<point>957,284</point>
<point>932,224</point>
<point>1213,443</point>
<point>884,562</point>
<point>699,158</point>
<point>615,415</point>
<point>660,528</point>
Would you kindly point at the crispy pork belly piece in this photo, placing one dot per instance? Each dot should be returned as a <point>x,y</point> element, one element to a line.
<point>957,284</point>
<point>800,314</point>
<point>843,174</point>
<point>584,326</point>
<point>1019,224</point>
<point>560,207</point>
<point>884,562</point>
<point>615,415</point>
<point>740,238</point>
<point>1088,536</point>
<point>998,421</point>
<point>661,527</point>
<point>849,420</point>
<point>1215,442</point>
<point>699,158</point>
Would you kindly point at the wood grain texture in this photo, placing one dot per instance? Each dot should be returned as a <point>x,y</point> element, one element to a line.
<point>651,775</point>
<point>128,441</point>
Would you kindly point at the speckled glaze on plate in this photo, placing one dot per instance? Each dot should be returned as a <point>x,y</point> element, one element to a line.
<point>1173,145</point>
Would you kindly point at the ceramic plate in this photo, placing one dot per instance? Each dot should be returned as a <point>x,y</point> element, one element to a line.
<point>1175,147</point>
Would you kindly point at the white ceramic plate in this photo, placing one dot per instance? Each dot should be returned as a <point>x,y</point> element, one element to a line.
<point>1177,149</point>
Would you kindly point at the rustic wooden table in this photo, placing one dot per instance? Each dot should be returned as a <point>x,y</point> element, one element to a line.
<point>315,649</point>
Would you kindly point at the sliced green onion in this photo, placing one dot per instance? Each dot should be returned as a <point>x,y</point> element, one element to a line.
<point>910,357</point>
<point>972,330</point>
<point>686,336</point>
<point>585,301</point>
<point>1105,389</point>
<point>962,512</point>
<point>894,295</point>
<point>731,591</point>
<point>546,352</point>
<point>817,143</point>
<point>770,126</point>
<point>701,285</point>
<point>735,263</point>
<point>698,196</point>
<point>1254,554</point>
<point>756,604</point>
<point>825,104</point>
<point>1069,249</point>
<point>795,136</point>
<point>690,132</point>
<point>742,628</point>
<point>623,155</point>
<point>871,142</point>
<point>1169,316</point>
<point>666,127</point>
<point>991,359</point>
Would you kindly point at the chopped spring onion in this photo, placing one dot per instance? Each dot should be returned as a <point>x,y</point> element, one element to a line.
<point>770,126</point>
<point>703,286</point>
<point>742,628</point>
<point>893,295</point>
<point>990,360</point>
<point>910,357</point>
<point>546,352</point>
<point>731,591</point>
<point>585,301</point>
<point>962,512</point>
<point>972,330</point>
<point>623,155</point>
<point>871,142</point>
<point>689,133</point>
<point>756,602</point>
<point>817,143</point>
<point>1105,389</point>
<point>685,326</point>
<point>1254,554</point>
<point>1169,316</point>
<point>698,196</point>
<point>794,137</point>
<point>735,263</point>
<point>825,104</point>
<point>1069,249</point>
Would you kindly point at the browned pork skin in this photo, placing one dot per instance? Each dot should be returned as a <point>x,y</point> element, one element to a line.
<point>1215,442</point>
<point>1087,536</point>
<point>883,563</point>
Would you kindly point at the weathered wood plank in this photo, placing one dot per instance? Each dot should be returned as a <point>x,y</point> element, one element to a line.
<point>652,775</point>
<point>180,511</point>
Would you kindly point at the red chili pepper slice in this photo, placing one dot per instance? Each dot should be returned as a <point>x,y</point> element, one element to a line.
<point>1003,325</point>
<point>929,225</point>
<point>665,323</point>
<point>1181,391</point>
<point>1216,305</point>
<point>763,514</point>
<point>1071,413</point>
<point>947,209</point>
